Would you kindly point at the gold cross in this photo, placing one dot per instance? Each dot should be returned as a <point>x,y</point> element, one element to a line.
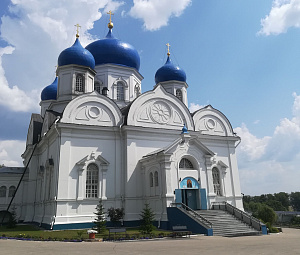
<point>77,29</point>
<point>168,45</point>
<point>110,13</point>
<point>110,24</point>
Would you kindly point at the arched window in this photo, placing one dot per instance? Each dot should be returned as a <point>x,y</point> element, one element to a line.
<point>137,90</point>
<point>2,191</point>
<point>97,87</point>
<point>151,179</point>
<point>92,181</point>
<point>216,181</point>
<point>156,178</point>
<point>185,164</point>
<point>79,83</point>
<point>179,94</point>
<point>120,91</point>
<point>11,191</point>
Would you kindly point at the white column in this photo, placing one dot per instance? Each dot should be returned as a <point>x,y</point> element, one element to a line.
<point>210,186</point>
<point>103,193</point>
<point>80,187</point>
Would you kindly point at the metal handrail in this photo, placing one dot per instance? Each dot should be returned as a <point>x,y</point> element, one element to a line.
<point>243,214</point>
<point>195,214</point>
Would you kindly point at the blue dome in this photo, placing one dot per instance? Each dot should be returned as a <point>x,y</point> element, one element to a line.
<point>111,50</point>
<point>76,55</point>
<point>169,72</point>
<point>184,130</point>
<point>50,92</point>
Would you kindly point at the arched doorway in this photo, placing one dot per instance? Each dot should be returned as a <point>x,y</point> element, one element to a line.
<point>189,188</point>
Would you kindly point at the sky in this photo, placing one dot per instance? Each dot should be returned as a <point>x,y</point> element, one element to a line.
<point>241,57</point>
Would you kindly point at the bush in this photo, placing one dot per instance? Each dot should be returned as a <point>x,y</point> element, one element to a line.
<point>295,220</point>
<point>266,214</point>
<point>116,215</point>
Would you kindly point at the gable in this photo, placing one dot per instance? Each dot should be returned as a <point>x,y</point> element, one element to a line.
<point>210,121</point>
<point>92,109</point>
<point>159,109</point>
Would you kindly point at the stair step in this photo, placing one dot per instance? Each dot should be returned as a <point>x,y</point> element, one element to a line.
<point>225,224</point>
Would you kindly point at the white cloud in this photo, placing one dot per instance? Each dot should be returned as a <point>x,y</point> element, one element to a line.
<point>251,147</point>
<point>10,152</point>
<point>156,13</point>
<point>14,98</point>
<point>194,107</point>
<point>38,31</point>
<point>271,164</point>
<point>283,15</point>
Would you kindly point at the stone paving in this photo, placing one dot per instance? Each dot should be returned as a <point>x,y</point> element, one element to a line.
<point>287,242</point>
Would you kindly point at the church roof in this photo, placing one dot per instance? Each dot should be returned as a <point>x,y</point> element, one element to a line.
<point>76,55</point>
<point>11,170</point>
<point>111,50</point>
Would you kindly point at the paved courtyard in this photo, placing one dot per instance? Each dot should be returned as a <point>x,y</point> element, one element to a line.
<point>287,242</point>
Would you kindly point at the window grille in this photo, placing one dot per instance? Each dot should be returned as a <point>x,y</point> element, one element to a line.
<point>151,179</point>
<point>79,83</point>
<point>156,178</point>
<point>2,191</point>
<point>216,181</point>
<point>137,90</point>
<point>120,91</point>
<point>92,177</point>
<point>11,191</point>
<point>179,94</point>
<point>185,164</point>
<point>97,87</point>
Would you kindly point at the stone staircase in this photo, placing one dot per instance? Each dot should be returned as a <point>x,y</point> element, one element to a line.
<point>225,224</point>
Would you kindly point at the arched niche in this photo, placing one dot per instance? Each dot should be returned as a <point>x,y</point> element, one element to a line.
<point>159,109</point>
<point>92,109</point>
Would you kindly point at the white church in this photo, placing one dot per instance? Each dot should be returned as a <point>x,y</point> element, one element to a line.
<point>98,137</point>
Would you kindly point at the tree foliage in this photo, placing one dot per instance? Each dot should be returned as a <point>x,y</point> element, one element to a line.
<point>265,213</point>
<point>278,201</point>
<point>295,201</point>
<point>100,222</point>
<point>116,215</point>
<point>147,219</point>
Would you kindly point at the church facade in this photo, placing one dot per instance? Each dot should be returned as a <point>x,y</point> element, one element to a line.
<point>98,137</point>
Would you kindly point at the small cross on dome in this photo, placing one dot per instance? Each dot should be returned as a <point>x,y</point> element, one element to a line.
<point>77,29</point>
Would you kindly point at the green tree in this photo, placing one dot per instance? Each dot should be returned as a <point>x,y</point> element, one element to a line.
<point>2,166</point>
<point>266,214</point>
<point>116,215</point>
<point>147,218</point>
<point>295,200</point>
<point>283,198</point>
<point>100,221</point>
<point>276,205</point>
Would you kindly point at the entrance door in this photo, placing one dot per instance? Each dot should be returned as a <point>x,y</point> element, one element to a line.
<point>190,198</point>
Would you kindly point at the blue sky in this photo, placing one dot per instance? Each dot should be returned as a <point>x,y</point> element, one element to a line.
<point>242,57</point>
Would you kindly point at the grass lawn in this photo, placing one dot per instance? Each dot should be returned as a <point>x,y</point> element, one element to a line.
<point>29,231</point>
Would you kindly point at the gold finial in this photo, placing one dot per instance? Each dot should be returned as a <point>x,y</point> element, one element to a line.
<point>168,45</point>
<point>110,24</point>
<point>77,29</point>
